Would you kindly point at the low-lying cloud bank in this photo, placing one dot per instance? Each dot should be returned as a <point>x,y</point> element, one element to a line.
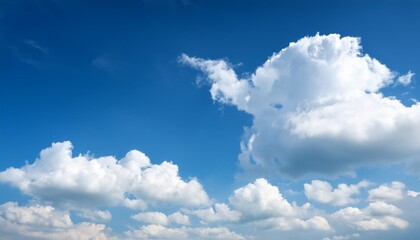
<point>63,186</point>
<point>83,181</point>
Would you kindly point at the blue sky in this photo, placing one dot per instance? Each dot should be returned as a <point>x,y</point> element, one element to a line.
<point>260,110</point>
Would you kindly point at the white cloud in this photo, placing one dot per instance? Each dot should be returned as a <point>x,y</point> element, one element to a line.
<point>376,216</point>
<point>291,223</point>
<point>261,205</point>
<point>83,181</point>
<point>44,222</point>
<point>179,218</point>
<point>387,192</point>
<point>413,193</point>
<point>323,192</point>
<point>152,218</point>
<point>219,213</point>
<point>317,107</point>
<point>260,200</point>
<point>170,186</point>
<point>96,215</point>
<point>162,232</point>
<point>159,218</point>
<point>136,204</point>
<point>381,208</point>
<point>405,79</point>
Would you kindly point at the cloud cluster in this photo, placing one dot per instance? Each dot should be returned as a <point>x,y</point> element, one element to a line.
<point>387,192</point>
<point>376,216</point>
<point>257,209</point>
<point>161,232</point>
<point>323,192</point>
<point>317,107</point>
<point>262,206</point>
<point>44,222</point>
<point>79,182</point>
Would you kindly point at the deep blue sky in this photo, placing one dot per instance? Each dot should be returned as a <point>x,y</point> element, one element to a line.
<point>106,75</point>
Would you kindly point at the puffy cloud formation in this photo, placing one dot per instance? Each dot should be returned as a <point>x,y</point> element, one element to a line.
<point>161,232</point>
<point>260,205</point>
<point>152,217</point>
<point>179,218</point>
<point>317,107</point>
<point>159,218</point>
<point>83,181</point>
<point>376,216</point>
<point>260,199</point>
<point>292,223</point>
<point>387,192</point>
<point>44,222</point>
<point>255,210</point>
<point>323,192</point>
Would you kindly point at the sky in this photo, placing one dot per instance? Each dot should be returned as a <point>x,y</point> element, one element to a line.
<point>195,119</point>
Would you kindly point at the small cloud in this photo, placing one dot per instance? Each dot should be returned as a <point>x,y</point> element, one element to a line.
<point>405,79</point>
<point>412,193</point>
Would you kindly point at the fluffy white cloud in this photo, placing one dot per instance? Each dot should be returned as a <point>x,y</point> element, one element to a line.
<point>381,208</point>
<point>291,223</point>
<point>162,232</point>
<point>83,181</point>
<point>159,218</point>
<point>44,222</point>
<point>219,213</point>
<point>323,192</point>
<point>261,205</point>
<point>317,107</point>
<point>136,204</point>
<point>387,192</point>
<point>161,183</point>
<point>152,218</point>
<point>376,216</point>
<point>259,200</point>
<point>179,218</point>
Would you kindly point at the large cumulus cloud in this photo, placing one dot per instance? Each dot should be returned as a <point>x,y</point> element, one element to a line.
<point>317,107</point>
